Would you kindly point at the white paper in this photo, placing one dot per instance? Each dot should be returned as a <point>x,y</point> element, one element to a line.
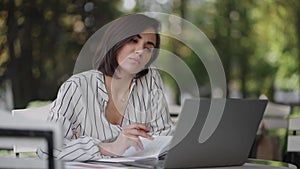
<point>152,149</point>
<point>81,165</point>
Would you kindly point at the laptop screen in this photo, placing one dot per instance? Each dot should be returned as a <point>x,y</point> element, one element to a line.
<point>227,127</point>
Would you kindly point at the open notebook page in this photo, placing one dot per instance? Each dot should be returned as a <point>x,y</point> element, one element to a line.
<point>152,148</point>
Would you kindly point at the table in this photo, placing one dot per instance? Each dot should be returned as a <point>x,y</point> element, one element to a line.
<point>34,163</point>
<point>277,164</point>
<point>250,164</point>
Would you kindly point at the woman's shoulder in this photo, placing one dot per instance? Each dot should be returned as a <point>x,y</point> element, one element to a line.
<point>88,73</point>
<point>151,78</point>
<point>86,76</point>
<point>153,73</point>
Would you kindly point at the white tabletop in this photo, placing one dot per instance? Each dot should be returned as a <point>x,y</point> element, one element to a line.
<point>77,165</point>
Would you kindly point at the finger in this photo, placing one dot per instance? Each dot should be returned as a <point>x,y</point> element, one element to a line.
<point>135,142</point>
<point>139,144</point>
<point>138,129</point>
<point>138,126</point>
<point>138,132</point>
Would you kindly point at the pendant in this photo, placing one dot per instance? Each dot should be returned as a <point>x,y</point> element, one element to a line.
<point>123,100</point>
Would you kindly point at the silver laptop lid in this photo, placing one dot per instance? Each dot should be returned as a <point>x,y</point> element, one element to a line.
<point>230,141</point>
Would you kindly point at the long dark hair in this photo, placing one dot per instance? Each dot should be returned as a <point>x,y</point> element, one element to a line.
<point>118,33</point>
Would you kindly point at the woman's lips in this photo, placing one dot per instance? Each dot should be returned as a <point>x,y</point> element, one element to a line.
<point>135,60</point>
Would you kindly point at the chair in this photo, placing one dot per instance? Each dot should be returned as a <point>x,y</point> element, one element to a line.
<point>275,116</point>
<point>269,146</point>
<point>36,113</point>
<point>174,110</point>
<point>293,141</point>
<point>28,132</point>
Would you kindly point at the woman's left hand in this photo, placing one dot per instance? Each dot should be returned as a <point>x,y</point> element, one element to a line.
<point>128,137</point>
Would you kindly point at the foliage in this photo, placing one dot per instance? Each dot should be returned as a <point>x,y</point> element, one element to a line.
<point>38,103</point>
<point>40,41</point>
<point>258,42</point>
<point>6,153</point>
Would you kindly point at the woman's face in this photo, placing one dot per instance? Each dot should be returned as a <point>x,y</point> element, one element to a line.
<point>136,53</point>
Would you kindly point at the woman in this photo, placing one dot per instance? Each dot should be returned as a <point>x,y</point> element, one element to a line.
<point>104,112</point>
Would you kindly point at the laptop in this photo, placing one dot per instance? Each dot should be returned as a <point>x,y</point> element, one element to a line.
<point>213,133</point>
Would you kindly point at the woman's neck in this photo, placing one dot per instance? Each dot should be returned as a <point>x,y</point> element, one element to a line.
<point>118,84</point>
<point>121,74</point>
<point>121,84</point>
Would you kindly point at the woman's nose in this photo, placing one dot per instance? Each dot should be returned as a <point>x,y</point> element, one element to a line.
<point>138,50</point>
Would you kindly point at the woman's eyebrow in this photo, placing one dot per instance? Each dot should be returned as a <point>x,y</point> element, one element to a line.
<point>149,42</point>
<point>139,36</point>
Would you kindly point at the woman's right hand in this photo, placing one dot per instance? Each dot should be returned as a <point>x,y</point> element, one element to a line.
<point>128,137</point>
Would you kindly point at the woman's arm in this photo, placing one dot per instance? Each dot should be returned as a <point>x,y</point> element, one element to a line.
<point>161,122</point>
<point>67,111</point>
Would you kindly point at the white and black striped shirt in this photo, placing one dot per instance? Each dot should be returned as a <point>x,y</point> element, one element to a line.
<point>80,109</point>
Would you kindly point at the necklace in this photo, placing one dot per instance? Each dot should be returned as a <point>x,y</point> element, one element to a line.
<point>124,96</point>
<point>123,99</point>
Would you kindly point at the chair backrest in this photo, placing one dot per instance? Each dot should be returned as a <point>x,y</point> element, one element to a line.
<point>29,132</point>
<point>293,143</point>
<point>174,111</point>
<point>35,113</point>
<point>275,116</point>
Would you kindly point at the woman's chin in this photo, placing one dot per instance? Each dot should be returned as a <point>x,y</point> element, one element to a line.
<point>133,70</point>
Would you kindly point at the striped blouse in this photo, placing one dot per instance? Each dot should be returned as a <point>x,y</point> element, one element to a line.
<point>80,109</point>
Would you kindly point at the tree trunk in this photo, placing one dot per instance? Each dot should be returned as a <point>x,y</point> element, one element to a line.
<point>19,68</point>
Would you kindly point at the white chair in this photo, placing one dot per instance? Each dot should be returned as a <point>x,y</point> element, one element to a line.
<point>293,141</point>
<point>35,113</point>
<point>275,116</point>
<point>174,110</point>
<point>28,132</point>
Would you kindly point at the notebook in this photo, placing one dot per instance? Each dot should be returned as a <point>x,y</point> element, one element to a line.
<point>152,148</point>
<point>213,133</point>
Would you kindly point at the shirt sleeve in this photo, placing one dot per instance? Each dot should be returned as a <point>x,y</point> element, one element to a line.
<point>161,122</point>
<point>66,111</point>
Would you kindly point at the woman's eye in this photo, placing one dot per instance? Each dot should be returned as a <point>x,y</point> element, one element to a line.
<point>133,40</point>
<point>149,49</point>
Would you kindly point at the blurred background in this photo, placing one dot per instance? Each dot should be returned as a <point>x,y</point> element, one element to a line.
<point>258,42</point>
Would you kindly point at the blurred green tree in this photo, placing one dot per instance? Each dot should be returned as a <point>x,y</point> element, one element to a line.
<point>257,41</point>
<point>40,41</point>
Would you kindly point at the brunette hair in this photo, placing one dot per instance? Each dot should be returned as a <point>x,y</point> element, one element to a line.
<point>118,33</point>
